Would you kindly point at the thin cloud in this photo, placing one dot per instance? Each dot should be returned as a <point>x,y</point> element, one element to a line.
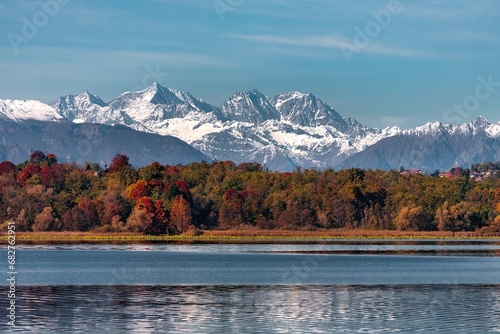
<point>316,41</point>
<point>51,59</point>
<point>107,72</point>
<point>333,42</point>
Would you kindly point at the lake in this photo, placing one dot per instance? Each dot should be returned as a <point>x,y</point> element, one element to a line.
<point>373,286</point>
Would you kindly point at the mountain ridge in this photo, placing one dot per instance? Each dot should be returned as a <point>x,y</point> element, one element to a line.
<point>284,131</point>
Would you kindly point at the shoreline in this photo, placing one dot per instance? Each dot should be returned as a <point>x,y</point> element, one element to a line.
<point>239,236</point>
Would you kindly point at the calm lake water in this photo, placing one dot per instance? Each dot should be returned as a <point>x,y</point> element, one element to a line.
<point>327,287</point>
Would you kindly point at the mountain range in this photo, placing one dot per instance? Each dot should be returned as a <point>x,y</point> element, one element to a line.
<point>282,132</point>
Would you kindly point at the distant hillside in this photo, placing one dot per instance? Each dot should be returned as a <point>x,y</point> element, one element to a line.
<point>78,143</point>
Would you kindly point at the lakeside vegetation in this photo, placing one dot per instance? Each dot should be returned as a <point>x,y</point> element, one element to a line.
<point>245,236</point>
<point>224,200</point>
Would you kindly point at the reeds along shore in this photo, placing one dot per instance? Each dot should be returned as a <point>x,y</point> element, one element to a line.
<point>244,235</point>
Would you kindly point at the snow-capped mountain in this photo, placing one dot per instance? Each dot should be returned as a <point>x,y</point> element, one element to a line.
<point>154,106</point>
<point>282,132</point>
<point>433,146</point>
<point>21,110</point>
<point>249,106</point>
<point>89,108</point>
<point>307,110</point>
<point>285,131</point>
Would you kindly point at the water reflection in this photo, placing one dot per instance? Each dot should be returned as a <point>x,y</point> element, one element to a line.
<point>259,288</point>
<point>387,247</point>
<point>260,309</point>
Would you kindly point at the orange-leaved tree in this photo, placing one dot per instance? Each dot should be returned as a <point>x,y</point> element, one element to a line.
<point>180,215</point>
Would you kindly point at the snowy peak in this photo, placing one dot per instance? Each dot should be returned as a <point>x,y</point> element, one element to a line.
<point>473,127</point>
<point>91,98</point>
<point>493,130</point>
<point>156,104</point>
<point>23,110</point>
<point>76,107</point>
<point>436,128</point>
<point>430,128</point>
<point>154,94</point>
<point>249,106</point>
<point>480,123</point>
<point>157,94</point>
<point>89,108</point>
<point>307,110</point>
<point>192,102</point>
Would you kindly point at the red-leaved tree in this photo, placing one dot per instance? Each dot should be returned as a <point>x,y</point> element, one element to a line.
<point>119,162</point>
<point>27,173</point>
<point>53,176</point>
<point>37,157</point>
<point>7,167</point>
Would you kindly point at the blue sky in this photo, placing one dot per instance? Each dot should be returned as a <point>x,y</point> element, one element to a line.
<point>410,67</point>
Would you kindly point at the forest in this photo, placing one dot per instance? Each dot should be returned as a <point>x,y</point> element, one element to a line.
<point>42,194</point>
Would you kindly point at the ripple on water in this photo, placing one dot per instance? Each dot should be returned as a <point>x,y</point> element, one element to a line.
<point>260,309</point>
<point>468,247</point>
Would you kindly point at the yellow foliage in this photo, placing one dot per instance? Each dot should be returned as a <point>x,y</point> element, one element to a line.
<point>407,217</point>
<point>497,220</point>
<point>114,183</point>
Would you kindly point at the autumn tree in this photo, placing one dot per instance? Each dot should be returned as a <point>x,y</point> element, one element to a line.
<point>180,215</point>
<point>137,190</point>
<point>177,188</point>
<point>37,157</point>
<point>62,202</point>
<point>122,172</point>
<point>77,182</point>
<point>230,214</point>
<point>111,207</point>
<point>44,220</point>
<point>160,219</point>
<point>496,221</point>
<point>7,167</point>
<point>297,214</point>
<point>22,221</point>
<point>462,216</point>
<point>408,218</point>
<point>53,176</point>
<point>151,172</point>
<point>28,172</point>
<point>147,217</point>
<point>27,203</point>
<point>118,163</point>
<point>140,220</point>
<point>82,217</point>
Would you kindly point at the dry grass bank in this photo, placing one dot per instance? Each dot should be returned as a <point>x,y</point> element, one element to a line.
<point>241,236</point>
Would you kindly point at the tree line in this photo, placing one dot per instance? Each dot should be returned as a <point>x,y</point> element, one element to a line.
<point>42,194</point>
